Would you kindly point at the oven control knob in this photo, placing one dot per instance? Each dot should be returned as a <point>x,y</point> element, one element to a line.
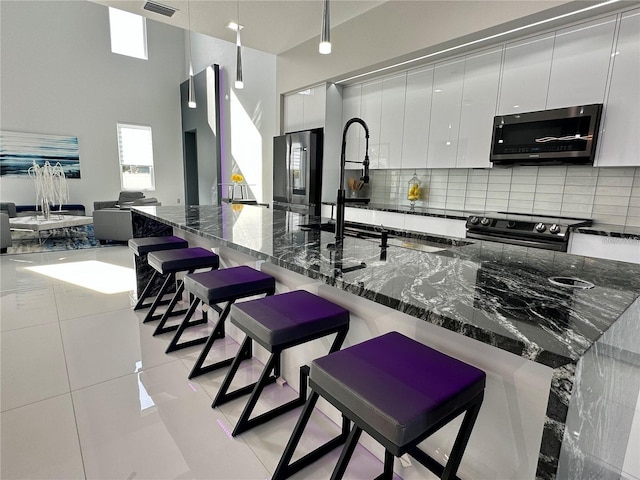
<point>540,227</point>
<point>474,220</point>
<point>511,224</point>
<point>554,228</point>
<point>485,221</point>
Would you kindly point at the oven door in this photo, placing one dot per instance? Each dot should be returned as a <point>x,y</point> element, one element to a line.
<point>559,245</point>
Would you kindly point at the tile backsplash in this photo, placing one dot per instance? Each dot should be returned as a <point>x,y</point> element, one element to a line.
<point>608,195</point>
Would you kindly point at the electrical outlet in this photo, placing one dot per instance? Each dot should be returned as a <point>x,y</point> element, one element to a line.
<point>177,200</point>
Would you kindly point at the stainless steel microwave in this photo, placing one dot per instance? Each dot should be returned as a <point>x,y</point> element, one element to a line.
<point>548,137</point>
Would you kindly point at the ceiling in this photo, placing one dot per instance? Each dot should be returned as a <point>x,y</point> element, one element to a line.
<point>272,26</point>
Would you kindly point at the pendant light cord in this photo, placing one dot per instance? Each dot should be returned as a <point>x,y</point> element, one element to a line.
<point>239,84</point>
<point>191,97</point>
<point>189,37</point>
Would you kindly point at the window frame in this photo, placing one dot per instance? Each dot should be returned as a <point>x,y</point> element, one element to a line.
<point>123,163</point>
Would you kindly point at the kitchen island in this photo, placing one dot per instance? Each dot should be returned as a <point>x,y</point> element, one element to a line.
<point>504,308</point>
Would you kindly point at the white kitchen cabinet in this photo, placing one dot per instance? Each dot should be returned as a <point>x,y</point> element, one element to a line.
<point>620,141</point>
<point>314,107</point>
<point>417,118</point>
<point>447,227</point>
<point>599,246</point>
<point>328,211</point>
<point>293,113</point>
<point>525,75</point>
<point>445,114</point>
<point>370,112</point>
<point>351,97</point>
<point>581,57</point>
<point>392,121</point>
<point>479,98</point>
<point>305,110</point>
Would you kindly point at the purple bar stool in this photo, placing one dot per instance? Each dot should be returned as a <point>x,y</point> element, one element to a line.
<point>170,262</point>
<point>141,247</point>
<point>397,390</point>
<point>212,288</point>
<point>278,323</point>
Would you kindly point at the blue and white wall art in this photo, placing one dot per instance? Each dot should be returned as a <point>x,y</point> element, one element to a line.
<point>19,150</point>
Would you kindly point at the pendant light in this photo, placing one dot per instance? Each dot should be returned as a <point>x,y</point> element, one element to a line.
<point>191,102</point>
<point>239,83</point>
<point>325,37</point>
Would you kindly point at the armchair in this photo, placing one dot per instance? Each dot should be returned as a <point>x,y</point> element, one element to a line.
<point>9,208</point>
<point>5,232</point>
<point>112,218</point>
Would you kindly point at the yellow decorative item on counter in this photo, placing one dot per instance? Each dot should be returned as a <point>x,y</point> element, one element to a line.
<point>413,193</point>
<point>236,178</point>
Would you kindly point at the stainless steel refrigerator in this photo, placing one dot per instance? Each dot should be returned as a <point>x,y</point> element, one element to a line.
<point>297,171</point>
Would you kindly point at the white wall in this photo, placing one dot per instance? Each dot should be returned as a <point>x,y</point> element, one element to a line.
<point>247,116</point>
<point>58,76</point>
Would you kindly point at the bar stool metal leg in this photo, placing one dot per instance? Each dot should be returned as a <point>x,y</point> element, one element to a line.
<point>218,332</point>
<point>160,328</point>
<point>175,343</point>
<point>150,316</point>
<point>186,323</point>
<point>387,474</point>
<point>145,293</point>
<point>285,469</point>
<point>269,375</point>
<point>347,452</point>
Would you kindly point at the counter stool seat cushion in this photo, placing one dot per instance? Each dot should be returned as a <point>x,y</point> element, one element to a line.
<point>286,318</point>
<point>395,385</point>
<point>222,285</point>
<point>144,245</point>
<point>178,260</point>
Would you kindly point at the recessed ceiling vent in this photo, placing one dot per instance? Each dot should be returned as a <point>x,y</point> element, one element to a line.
<point>159,8</point>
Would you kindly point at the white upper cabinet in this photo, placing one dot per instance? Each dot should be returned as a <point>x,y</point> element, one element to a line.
<point>417,118</point>
<point>392,121</point>
<point>620,141</point>
<point>581,57</point>
<point>314,103</point>
<point>350,109</point>
<point>479,99</point>
<point>525,75</point>
<point>370,112</point>
<point>445,114</point>
<point>441,116</point>
<point>293,113</point>
<point>305,110</point>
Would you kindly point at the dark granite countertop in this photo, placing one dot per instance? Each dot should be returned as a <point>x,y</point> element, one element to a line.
<point>498,294</point>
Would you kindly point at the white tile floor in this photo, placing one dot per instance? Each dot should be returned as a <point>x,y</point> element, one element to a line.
<point>87,392</point>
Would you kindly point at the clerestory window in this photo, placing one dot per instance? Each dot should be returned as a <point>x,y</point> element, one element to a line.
<point>128,33</point>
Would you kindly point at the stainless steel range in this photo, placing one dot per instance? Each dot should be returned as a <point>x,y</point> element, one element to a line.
<point>537,231</point>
